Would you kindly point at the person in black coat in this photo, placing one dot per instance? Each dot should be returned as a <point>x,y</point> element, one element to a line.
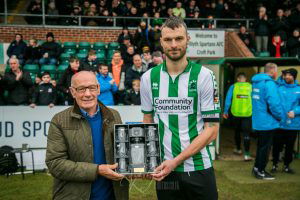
<point>246,37</point>
<point>262,30</point>
<point>125,34</point>
<point>17,48</point>
<point>2,89</point>
<point>64,82</point>
<point>17,83</point>
<point>90,63</point>
<point>133,96</point>
<point>45,92</point>
<point>50,51</point>
<point>144,36</point>
<point>280,25</point>
<point>135,71</point>
<point>293,44</point>
<point>35,7</point>
<point>32,53</point>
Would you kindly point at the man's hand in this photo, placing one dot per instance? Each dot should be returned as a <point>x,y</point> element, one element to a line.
<point>225,116</point>
<point>291,114</point>
<point>107,171</point>
<point>19,75</point>
<point>112,81</point>
<point>164,169</point>
<point>51,105</point>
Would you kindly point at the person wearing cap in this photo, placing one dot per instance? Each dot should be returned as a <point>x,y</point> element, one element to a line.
<point>50,50</point>
<point>289,92</point>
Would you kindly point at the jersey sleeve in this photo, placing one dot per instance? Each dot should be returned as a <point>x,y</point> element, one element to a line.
<point>146,94</point>
<point>209,96</point>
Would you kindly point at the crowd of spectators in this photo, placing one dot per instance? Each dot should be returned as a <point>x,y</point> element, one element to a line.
<point>118,78</point>
<point>157,9</point>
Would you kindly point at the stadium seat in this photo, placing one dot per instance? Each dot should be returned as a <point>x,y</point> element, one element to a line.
<point>64,62</point>
<point>84,45</point>
<point>85,51</point>
<point>99,46</point>
<point>70,45</point>
<point>60,70</point>
<point>49,68</point>
<point>32,76</point>
<point>113,46</point>
<point>64,56</point>
<point>31,68</point>
<point>81,56</point>
<point>70,51</point>
<point>263,54</point>
<point>110,53</point>
<point>7,68</point>
<point>40,42</point>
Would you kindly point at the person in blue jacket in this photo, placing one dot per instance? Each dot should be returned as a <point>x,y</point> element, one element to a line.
<point>267,112</point>
<point>107,86</point>
<point>289,92</point>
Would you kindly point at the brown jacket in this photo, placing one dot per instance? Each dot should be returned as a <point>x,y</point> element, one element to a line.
<point>69,154</point>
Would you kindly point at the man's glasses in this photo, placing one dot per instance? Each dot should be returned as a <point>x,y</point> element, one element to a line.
<point>81,89</point>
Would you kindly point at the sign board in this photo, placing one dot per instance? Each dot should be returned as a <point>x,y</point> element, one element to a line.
<point>206,43</point>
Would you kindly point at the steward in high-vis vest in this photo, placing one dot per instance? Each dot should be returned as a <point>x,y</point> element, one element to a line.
<point>238,100</point>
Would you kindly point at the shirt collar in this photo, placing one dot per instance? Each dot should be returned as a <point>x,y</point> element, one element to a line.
<point>187,68</point>
<point>85,114</point>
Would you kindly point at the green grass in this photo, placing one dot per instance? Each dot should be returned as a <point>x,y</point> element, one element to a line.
<point>234,182</point>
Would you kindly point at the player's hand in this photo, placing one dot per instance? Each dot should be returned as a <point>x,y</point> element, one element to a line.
<point>51,105</point>
<point>32,105</point>
<point>107,171</point>
<point>225,116</point>
<point>164,170</point>
<point>291,114</point>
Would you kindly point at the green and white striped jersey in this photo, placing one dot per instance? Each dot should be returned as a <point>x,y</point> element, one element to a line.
<point>180,106</point>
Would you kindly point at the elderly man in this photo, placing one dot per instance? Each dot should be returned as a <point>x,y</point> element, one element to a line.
<point>135,71</point>
<point>80,146</point>
<point>17,83</point>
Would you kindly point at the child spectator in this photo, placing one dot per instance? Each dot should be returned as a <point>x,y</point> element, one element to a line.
<point>32,53</point>
<point>45,93</point>
<point>133,97</point>
<point>277,48</point>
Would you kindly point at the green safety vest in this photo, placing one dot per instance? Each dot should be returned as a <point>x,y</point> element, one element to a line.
<point>241,100</point>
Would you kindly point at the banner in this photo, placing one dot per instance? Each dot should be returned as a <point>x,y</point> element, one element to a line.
<point>206,43</point>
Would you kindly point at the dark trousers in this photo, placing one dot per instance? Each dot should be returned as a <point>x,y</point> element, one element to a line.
<point>197,185</point>
<point>264,143</point>
<point>242,127</point>
<point>283,138</point>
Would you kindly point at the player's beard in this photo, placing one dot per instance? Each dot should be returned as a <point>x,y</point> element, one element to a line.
<point>177,57</point>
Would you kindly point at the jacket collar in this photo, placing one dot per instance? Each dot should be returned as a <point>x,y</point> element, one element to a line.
<point>106,114</point>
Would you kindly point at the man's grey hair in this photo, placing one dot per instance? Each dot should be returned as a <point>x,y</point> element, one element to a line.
<point>16,59</point>
<point>269,67</point>
<point>174,22</point>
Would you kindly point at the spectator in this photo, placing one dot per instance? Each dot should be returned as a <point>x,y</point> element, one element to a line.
<point>74,21</point>
<point>266,115</point>
<point>289,91</point>
<point>280,25</point>
<point>90,63</point>
<point>108,86</point>
<point>32,53</point>
<point>64,82</point>
<point>135,21</point>
<point>209,23</point>
<point>146,58</point>
<point>16,48</point>
<point>50,51</point>
<point>118,69</point>
<point>128,57</point>
<point>102,6</point>
<point>127,9</point>
<point>123,46</point>
<point>156,38</point>
<point>238,99</point>
<point>52,11</point>
<point>157,21</point>
<point>90,21</point>
<point>45,93</point>
<point>295,16</point>
<point>156,58</point>
<point>133,96</point>
<point>293,44</point>
<point>163,8</point>
<point>262,30</point>
<point>35,8</point>
<point>154,8</point>
<point>143,8</point>
<point>277,48</point>
<point>191,9</point>
<point>37,81</point>
<point>117,9</point>
<point>125,33</point>
<point>107,21</point>
<point>178,11</point>
<point>135,71</point>
<point>246,37</point>
<point>17,83</point>
<point>86,7</point>
<point>169,13</point>
<point>143,36</point>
